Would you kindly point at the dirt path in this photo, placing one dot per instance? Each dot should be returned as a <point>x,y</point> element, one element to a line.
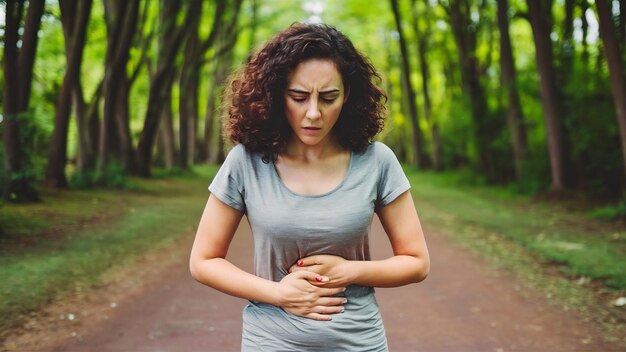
<point>463,306</point>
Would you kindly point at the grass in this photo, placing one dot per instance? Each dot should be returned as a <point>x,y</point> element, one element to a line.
<point>569,238</point>
<point>71,239</point>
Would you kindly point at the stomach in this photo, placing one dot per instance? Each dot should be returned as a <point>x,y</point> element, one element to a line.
<point>358,328</point>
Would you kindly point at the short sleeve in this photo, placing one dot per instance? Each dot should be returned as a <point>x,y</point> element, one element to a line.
<point>228,184</point>
<point>392,180</point>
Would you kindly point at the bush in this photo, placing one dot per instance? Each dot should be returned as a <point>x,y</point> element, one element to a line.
<point>113,176</point>
<point>613,212</point>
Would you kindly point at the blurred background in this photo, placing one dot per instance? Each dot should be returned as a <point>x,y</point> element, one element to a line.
<point>523,93</point>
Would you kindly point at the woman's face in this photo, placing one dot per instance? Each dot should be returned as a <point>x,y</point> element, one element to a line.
<point>313,100</point>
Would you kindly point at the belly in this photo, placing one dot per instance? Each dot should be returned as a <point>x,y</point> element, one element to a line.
<point>358,328</point>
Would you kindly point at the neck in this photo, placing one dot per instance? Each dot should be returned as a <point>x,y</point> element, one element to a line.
<point>313,152</point>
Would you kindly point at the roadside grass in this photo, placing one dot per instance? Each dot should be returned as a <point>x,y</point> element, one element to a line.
<point>570,238</point>
<point>578,261</point>
<point>71,239</point>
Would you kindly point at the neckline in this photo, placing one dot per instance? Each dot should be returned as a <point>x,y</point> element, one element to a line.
<point>343,181</point>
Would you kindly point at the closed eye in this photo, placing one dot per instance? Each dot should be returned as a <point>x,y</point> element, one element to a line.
<point>298,99</point>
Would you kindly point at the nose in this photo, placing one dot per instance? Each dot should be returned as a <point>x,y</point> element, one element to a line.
<point>313,110</point>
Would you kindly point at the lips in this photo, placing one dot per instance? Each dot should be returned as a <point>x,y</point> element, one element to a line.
<point>311,131</point>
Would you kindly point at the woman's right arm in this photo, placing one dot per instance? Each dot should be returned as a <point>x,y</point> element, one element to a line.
<point>295,293</point>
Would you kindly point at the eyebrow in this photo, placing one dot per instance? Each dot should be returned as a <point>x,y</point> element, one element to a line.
<point>300,91</point>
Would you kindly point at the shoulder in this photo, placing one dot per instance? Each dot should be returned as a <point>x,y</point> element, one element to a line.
<point>237,152</point>
<point>381,148</point>
<point>379,151</point>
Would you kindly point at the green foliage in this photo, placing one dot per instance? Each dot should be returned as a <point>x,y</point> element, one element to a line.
<point>113,176</point>
<point>33,154</point>
<point>591,126</point>
<point>588,114</point>
<point>612,212</point>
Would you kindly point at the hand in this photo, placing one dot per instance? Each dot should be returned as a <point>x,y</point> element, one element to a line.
<point>299,296</point>
<point>336,268</point>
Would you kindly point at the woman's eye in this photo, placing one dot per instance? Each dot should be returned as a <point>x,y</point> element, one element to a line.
<point>329,100</point>
<point>298,99</point>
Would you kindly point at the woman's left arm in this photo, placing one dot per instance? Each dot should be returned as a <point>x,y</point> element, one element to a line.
<point>409,264</point>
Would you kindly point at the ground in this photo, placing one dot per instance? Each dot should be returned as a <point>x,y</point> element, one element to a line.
<point>464,305</point>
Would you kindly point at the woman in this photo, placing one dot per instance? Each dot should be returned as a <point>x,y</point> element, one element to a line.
<point>303,112</point>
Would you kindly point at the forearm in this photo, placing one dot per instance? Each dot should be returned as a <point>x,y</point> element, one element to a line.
<point>224,276</point>
<point>396,271</point>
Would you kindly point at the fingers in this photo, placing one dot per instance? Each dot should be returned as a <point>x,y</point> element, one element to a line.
<point>317,316</point>
<point>311,276</point>
<point>302,264</point>
<point>323,312</point>
<point>332,302</point>
<point>331,291</point>
<point>307,261</point>
<point>295,268</point>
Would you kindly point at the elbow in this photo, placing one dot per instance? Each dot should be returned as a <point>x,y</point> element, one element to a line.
<point>194,269</point>
<point>423,269</point>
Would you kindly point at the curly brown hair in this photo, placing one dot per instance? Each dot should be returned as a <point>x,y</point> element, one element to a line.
<point>256,117</point>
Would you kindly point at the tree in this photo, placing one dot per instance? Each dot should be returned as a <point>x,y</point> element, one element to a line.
<point>616,67</point>
<point>160,82</point>
<point>422,49</point>
<point>75,42</point>
<point>213,141</point>
<point>115,136</point>
<point>485,128</point>
<point>540,19</point>
<point>419,157</point>
<point>514,113</point>
<point>18,73</point>
<point>194,58</point>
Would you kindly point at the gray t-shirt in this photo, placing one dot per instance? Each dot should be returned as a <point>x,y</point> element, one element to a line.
<point>287,226</point>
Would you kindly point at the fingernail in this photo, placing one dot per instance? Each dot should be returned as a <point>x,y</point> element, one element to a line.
<point>321,279</point>
<point>342,310</point>
<point>300,263</point>
<point>345,300</point>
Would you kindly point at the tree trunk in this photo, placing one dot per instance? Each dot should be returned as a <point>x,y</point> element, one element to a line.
<point>75,42</point>
<point>122,20</point>
<point>172,38</point>
<point>616,67</point>
<point>224,25</point>
<point>420,159</point>
<point>540,22</point>
<point>188,101</point>
<point>166,133</point>
<point>87,125</point>
<point>422,48</point>
<point>514,113</point>
<point>18,71</point>
<point>485,130</point>
<point>213,141</point>
<point>122,121</point>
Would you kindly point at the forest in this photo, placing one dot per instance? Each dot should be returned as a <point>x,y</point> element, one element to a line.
<point>530,94</point>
